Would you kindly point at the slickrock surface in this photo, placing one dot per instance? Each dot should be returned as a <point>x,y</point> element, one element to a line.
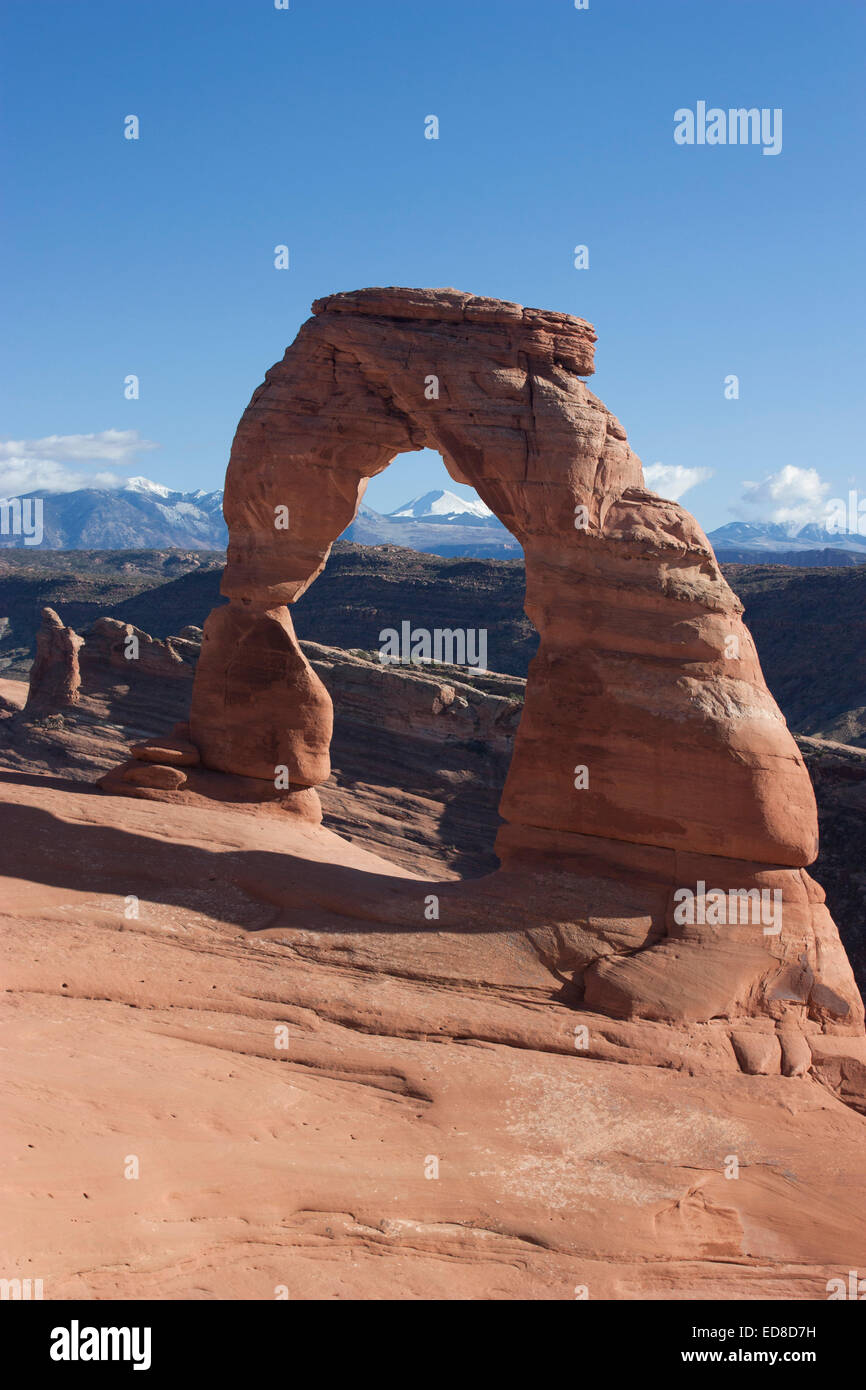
<point>154,1036</point>
<point>409,1044</point>
<point>54,677</point>
<point>13,696</point>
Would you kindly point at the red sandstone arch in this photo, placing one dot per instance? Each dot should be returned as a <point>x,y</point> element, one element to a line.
<point>644,674</point>
<point>686,749</point>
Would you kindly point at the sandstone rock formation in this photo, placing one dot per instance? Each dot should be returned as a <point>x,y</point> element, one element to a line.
<point>151,774</point>
<point>651,761</point>
<point>55,678</point>
<point>281,715</point>
<point>633,612</point>
<point>646,683</point>
<point>128,649</point>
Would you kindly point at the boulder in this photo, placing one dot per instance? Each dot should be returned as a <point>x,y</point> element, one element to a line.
<point>153,775</point>
<point>171,752</point>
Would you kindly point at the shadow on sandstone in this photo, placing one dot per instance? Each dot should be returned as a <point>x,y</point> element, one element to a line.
<point>288,890</point>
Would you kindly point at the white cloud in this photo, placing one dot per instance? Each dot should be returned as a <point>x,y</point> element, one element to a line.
<point>672,480</point>
<point>64,462</point>
<point>794,495</point>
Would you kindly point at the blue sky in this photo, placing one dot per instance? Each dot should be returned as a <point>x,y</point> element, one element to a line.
<point>306,127</point>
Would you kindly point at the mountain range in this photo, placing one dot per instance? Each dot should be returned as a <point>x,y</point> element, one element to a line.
<point>773,540</point>
<point>140,515</point>
<point>148,515</point>
<point>437,523</point>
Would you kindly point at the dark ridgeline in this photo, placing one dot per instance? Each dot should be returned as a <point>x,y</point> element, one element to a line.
<point>809,624</point>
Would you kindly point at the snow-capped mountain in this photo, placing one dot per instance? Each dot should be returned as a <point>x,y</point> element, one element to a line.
<point>438,523</point>
<point>772,537</point>
<point>147,486</point>
<point>147,515</point>
<point>141,515</point>
<point>443,506</point>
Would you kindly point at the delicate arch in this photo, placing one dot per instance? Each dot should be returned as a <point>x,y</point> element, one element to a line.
<point>684,746</point>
